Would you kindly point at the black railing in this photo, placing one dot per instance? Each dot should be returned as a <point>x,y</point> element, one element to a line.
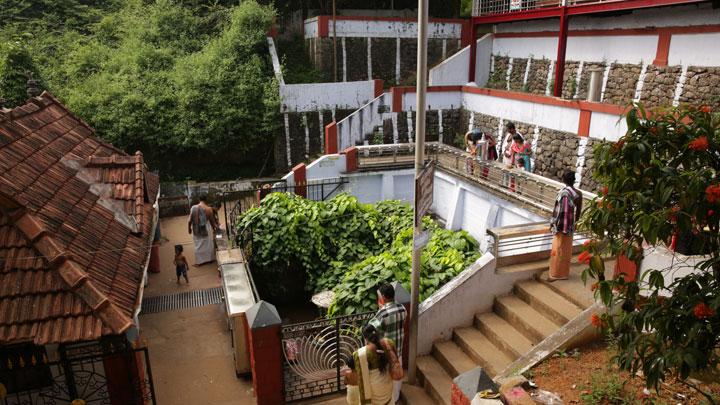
<point>316,351</point>
<point>79,372</point>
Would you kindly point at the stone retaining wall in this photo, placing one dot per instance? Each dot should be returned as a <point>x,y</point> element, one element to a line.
<point>556,152</point>
<point>660,83</point>
<point>303,146</point>
<point>382,55</point>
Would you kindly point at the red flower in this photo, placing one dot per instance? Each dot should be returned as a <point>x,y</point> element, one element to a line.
<point>705,109</point>
<point>618,145</point>
<point>585,257</point>
<point>700,143</point>
<point>710,213</point>
<point>594,286</point>
<point>604,190</point>
<point>712,193</point>
<point>653,130</point>
<point>596,321</point>
<point>702,311</point>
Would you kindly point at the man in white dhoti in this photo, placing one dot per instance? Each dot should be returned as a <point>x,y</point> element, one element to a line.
<point>202,226</point>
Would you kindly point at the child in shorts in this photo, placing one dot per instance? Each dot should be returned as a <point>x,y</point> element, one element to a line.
<point>181,264</point>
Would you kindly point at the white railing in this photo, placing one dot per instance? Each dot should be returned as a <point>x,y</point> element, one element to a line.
<point>353,129</point>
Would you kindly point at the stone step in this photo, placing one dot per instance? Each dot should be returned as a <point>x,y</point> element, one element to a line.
<point>435,379</point>
<point>525,318</point>
<point>537,265</point>
<point>481,350</point>
<point>546,301</point>
<point>452,358</point>
<point>572,289</point>
<point>503,335</point>
<point>414,395</point>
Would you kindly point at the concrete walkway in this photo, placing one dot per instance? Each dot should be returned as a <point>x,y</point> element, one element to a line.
<point>190,350</point>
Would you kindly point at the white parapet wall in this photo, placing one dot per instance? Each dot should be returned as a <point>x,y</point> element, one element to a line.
<point>382,27</point>
<point>632,38</point>
<point>595,120</point>
<point>326,96</point>
<point>454,70</point>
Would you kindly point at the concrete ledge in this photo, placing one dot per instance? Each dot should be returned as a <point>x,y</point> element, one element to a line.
<point>574,333</point>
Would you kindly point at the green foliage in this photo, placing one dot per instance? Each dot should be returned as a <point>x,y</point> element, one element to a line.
<point>660,181</point>
<point>350,247</point>
<point>15,67</point>
<point>605,388</point>
<point>180,80</point>
<point>447,254</point>
<point>296,65</point>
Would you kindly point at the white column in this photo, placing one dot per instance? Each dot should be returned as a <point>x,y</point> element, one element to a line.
<point>307,135</point>
<point>287,139</point>
<point>369,58</point>
<point>680,86</point>
<point>344,58</point>
<point>509,72</point>
<point>640,82</point>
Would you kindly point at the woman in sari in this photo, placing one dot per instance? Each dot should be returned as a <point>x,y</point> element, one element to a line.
<point>372,367</point>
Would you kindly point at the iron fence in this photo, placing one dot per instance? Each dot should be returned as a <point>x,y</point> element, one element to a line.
<point>316,351</point>
<point>94,374</point>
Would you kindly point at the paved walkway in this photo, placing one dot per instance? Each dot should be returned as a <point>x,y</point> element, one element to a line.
<point>190,349</point>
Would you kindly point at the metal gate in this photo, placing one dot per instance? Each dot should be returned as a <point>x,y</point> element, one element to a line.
<point>316,351</point>
<point>92,374</point>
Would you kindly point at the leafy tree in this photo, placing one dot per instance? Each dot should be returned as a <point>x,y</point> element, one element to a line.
<point>16,66</point>
<point>661,182</point>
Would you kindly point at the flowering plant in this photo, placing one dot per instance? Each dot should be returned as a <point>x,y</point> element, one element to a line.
<point>660,185</point>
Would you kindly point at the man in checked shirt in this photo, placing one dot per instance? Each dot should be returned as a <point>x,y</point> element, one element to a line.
<point>390,322</point>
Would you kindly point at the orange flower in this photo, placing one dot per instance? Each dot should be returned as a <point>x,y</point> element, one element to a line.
<point>594,286</point>
<point>604,190</point>
<point>618,145</point>
<point>700,143</point>
<point>712,193</point>
<point>585,257</point>
<point>596,321</point>
<point>703,311</point>
<point>705,109</point>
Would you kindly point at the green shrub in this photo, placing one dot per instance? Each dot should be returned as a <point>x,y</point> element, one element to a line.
<point>350,247</point>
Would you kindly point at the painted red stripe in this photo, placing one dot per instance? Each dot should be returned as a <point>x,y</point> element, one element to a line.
<point>584,123</point>
<point>663,49</point>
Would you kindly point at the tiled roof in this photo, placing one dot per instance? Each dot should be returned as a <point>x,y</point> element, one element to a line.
<point>76,220</point>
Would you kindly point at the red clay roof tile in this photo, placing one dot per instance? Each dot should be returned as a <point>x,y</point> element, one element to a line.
<point>69,269</point>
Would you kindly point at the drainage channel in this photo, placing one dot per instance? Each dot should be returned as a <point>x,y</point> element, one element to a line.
<point>188,299</point>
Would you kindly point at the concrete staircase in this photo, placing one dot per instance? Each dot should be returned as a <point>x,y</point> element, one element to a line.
<point>534,311</point>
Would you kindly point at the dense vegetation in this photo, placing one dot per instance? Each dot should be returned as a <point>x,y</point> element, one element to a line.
<point>349,247</point>
<point>187,82</point>
<point>661,185</point>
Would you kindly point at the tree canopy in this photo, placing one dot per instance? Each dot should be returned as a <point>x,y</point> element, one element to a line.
<point>175,79</point>
<point>661,185</point>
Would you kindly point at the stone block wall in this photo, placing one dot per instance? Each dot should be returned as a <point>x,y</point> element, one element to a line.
<point>556,152</point>
<point>659,85</point>
<point>586,181</point>
<point>585,78</point>
<point>517,75</point>
<point>498,75</point>
<point>538,76</point>
<point>702,86</point>
<point>570,79</point>
<point>383,57</point>
<point>303,145</point>
<point>621,83</point>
